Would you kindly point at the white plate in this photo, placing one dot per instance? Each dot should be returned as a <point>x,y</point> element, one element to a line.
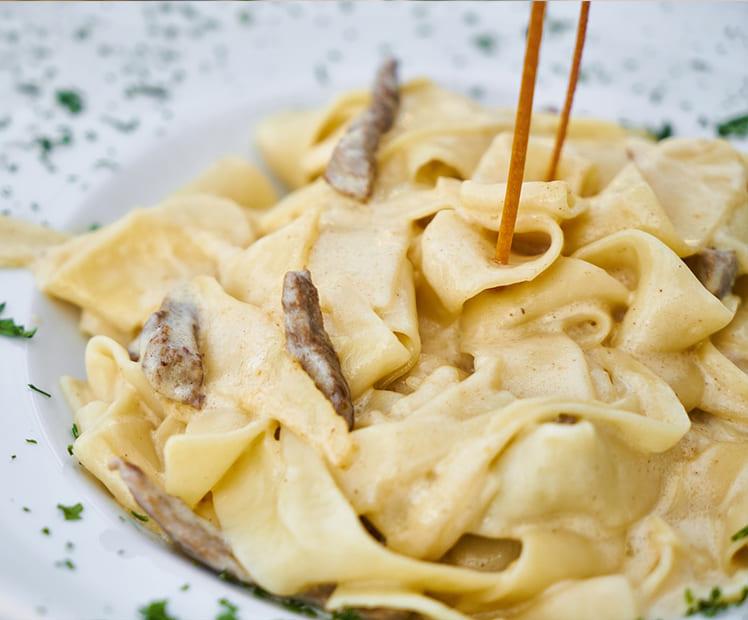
<point>225,66</point>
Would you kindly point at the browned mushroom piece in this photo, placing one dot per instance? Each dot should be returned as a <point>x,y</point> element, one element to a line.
<point>193,535</point>
<point>169,353</point>
<point>352,167</point>
<point>202,542</point>
<point>715,269</point>
<point>308,342</point>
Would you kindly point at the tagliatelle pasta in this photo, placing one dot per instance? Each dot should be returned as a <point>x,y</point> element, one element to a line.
<point>562,437</point>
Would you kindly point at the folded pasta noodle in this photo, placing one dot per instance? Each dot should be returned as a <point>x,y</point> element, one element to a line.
<point>423,429</point>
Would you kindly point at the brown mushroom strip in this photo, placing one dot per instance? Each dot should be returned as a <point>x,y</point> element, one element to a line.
<point>352,167</point>
<point>193,535</point>
<point>715,269</point>
<point>169,352</point>
<point>198,539</point>
<point>308,342</point>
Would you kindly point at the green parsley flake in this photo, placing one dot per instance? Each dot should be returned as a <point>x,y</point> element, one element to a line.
<point>485,42</point>
<point>139,516</point>
<point>156,610</point>
<point>742,533</point>
<point>296,606</point>
<point>146,90</point>
<point>75,432</point>
<point>184,587</point>
<point>46,531</point>
<point>71,100</point>
<point>71,513</point>
<point>8,327</point>
<point>42,392</point>
<point>228,610</point>
<point>26,509</point>
<point>33,442</point>
<point>345,614</point>
<point>70,449</point>
<point>737,126</point>
<point>715,604</point>
<point>662,132</point>
<point>94,226</point>
<point>66,563</point>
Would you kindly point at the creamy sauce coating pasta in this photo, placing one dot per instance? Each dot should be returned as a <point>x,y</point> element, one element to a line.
<point>562,437</point>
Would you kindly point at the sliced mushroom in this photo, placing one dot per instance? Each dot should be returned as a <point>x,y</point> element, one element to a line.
<point>308,342</point>
<point>169,352</point>
<point>352,167</point>
<point>715,269</point>
<point>202,542</point>
<point>193,535</point>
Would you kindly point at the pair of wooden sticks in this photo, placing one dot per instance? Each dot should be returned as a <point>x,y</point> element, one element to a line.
<point>522,121</point>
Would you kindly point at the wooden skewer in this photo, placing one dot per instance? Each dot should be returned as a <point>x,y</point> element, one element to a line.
<point>563,123</point>
<point>521,134</point>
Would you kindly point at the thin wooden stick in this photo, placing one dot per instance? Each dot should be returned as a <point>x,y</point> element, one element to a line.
<point>521,134</point>
<point>563,123</point>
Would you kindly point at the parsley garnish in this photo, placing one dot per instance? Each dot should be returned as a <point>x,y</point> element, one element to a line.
<point>485,42</point>
<point>139,516</point>
<point>345,614</point>
<point>42,392</point>
<point>75,432</point>
<point>742,533</point>
<point>737,126</point>
<point>66,563</point>
<point>714,604</point>
<point>70,449</point>
<point>32,441</point>
<point>71,513</point>
<point>26,509</point>
<point>663,131</point>
<point>8,327</point>
<point>46,531</point>
<point>94,226</point>
<point>184,587</point>
<point>228,611</point>
<point>299,607</point>
<point>71,100</point>
<point>156,610</point>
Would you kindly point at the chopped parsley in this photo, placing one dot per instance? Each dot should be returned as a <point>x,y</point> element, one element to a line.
<point>742,533</point>
<point>146,90</point>
<point>485,42</point>
<point>74,431</point>
<point>8,327</point>
<point>71,513</point>
<point>94,226</point>
<point>70,449</point>
<point>66,563</point>
<point>663,131</point>
<point>156,610</point>
<point>46,531</point>
<point>715,604</point>
<point>737,126</point>
<point>139,516</point>
<point>26,509</point>
<point>228,610</point>
<point>184,587</point>
<point>33,442</point>
<point>71,100</point>
<point>298,607</point>
<point>42,392</point>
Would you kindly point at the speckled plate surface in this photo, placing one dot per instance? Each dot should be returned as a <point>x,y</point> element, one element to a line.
<point>107,106</point>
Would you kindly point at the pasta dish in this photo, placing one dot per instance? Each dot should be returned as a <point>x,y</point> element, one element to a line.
<point>340,395</point>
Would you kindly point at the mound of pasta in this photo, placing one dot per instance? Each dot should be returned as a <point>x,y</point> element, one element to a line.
<point>340,396</point>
